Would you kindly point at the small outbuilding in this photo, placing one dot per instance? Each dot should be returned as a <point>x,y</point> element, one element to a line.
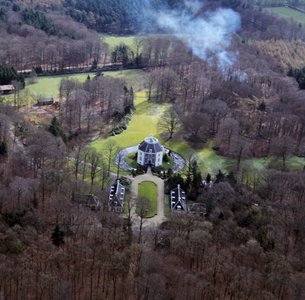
<point>6,89</point>
<point>45,101</point>
<point>150,152</point>
<point>116,197</point>
<point>178,201</point>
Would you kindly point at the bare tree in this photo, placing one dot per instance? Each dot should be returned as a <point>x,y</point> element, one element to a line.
<point>143,209</point>
<point>109,149</point>
<point>130,205</point>
<point>228,128</point>
<point>94,160</point>
<point>282,148</point>
<point>217,110</point>
<point>169,121</point>
<point>195,124</point>
<point>120,160</point>
<point>240,148</point>
<point>81,98</point>
<point>33,76</point>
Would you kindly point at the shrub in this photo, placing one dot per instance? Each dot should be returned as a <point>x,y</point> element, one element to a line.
<point>126,183</point>
<point>165,158</point>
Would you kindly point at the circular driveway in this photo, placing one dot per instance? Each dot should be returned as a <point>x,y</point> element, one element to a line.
<point>178,165</point>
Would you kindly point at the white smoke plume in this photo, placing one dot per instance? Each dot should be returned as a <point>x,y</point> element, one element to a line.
<point>208,33</point>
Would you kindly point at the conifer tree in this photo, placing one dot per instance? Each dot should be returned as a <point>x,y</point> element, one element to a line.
<point>55,127</point>
<point>58,236</point>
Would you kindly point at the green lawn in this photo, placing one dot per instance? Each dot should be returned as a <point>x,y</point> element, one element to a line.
<point>49,86</point>
<point>45,87</point>
<point>288,13</point>
<point>166,205</point>
<point>148,189</point>
<point>113,40</point>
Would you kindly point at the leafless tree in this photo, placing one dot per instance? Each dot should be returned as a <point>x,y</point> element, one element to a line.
<point>240,148</point>
<point>169,121</point>
<point>283,147</point>
<point>143,209</point>
<point>120,160</point>
<point>81,99</point>
<point>195,124</point>
<point>217,110</point>
<point>228,128</point>
<point>109,151</point>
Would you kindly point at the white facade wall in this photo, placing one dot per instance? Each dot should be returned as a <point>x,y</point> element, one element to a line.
<point>140,158</point>
<point>158,158</point>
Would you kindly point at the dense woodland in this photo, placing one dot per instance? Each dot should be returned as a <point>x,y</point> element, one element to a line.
<point>250,245</point>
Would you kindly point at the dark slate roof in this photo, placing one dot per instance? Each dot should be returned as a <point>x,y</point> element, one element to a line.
<point>178,198</point>
<point>117,193</point>
<point>151,143</point>
<point>45,100</point>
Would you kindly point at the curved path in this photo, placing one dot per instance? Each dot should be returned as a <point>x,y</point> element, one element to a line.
<point>160,217</point>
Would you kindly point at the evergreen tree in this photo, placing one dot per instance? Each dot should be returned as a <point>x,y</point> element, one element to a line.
<point>3,149</point>
<point>58,236</point>
<point>231,178</point>
<point>55,127</point>
<point>220,176</point>
<point>262,106</point>
<point>208,179</point>
<point>210,206</point>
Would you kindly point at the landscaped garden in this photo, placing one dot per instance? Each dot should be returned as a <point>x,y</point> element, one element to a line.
<point>148,189</point>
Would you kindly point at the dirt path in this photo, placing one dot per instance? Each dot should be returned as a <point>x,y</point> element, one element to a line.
<point>160,217</point>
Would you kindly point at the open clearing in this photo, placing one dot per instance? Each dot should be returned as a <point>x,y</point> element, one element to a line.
<point>288,13</point>
<point>48,86</point>
<point>148,189</point>
<point>113,40</point>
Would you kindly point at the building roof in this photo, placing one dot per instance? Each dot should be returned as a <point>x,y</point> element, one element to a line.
<point>7,87</point>
<point>150,143</point>
<point>45,100</point>
<point>178,198</point>
<point>116,196</point>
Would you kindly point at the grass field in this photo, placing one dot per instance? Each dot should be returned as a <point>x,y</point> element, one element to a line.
<point>48,86</point>
<point>113,40</point>
<point>148,189</point>
<point>166,205</point>
<point>288,13</point>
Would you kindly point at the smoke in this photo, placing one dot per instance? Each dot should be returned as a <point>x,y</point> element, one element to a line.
<point>205,34</point>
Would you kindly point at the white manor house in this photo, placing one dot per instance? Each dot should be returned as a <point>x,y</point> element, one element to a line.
<point>150,152</point>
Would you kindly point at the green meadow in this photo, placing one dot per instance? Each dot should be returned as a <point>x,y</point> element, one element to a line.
<point>288,13</point>
<point>148,189</point>
<point>45,87</point>
<point>114,40</point>
<point>48,86</point>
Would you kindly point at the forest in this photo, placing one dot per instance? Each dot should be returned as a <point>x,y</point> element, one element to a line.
<point>249,243</point>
